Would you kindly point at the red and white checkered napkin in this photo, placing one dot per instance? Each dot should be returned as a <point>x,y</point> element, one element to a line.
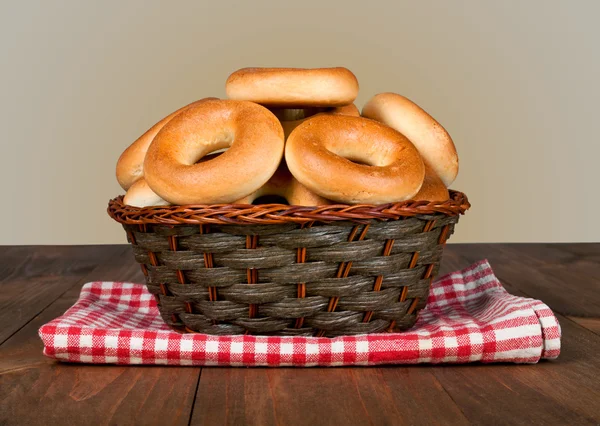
<point>469,317</point>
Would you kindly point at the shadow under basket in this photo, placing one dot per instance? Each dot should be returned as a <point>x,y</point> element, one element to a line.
<point>275,269</point>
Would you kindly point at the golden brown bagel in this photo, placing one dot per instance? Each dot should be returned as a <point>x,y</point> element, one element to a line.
<point>252,134</point>
<point>431,139</point>
<point>317,87</point>
<point>320,154</point>
<point>284,184</point>
<point>140,195</point>
<point>292,118</point>
<point>130,166</point>
<point>433,189</point>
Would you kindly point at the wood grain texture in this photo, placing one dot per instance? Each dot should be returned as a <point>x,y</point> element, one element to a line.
<point>566,278</point>
<point>25,347</point>
<point>565,391</point>
<point>551,392</point>
<point>592,324</point>
<point>323,396</point>
<point>36,390</point>
<point>393,396</point>
<point>33,277</point>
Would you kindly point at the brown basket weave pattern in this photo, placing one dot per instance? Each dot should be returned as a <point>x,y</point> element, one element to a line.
<point>297,276</point>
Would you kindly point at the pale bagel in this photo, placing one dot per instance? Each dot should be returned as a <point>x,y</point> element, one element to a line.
<point>285,185</point>
<point>433,189</point>
<point>290,118</point>
<point>431,139</point>
<point>252,134</point>
<point>317,87</point>
<point>322,153</point>
<point>140,195</point>
<point>130,166</point>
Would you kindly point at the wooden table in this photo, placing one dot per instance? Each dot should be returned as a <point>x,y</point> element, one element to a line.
<point>38,284</point>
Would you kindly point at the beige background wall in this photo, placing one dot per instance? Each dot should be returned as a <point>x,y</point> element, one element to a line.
<point>514,82</point>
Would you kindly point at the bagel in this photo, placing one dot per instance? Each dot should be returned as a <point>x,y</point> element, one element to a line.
<point>291,87</point>
<point>322,153</point>
<point>431,139</point>
<point>284,184</point>
<point>250,131</point>
<point>433,189</point>
<point>130,164</point>
<point>292,118</point>
<point>140,195</point>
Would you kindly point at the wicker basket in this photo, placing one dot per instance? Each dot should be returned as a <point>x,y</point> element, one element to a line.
<point>289,270</point>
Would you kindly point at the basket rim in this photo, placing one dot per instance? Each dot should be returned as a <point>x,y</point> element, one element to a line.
<point>274,214</point>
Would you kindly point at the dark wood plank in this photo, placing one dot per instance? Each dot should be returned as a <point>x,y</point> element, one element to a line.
<point>323,396</point>
<point>98,395</point>
<point>565,280</point>
<point>564,391</point>
<point>21,262</point>
<point>25,347</point>
<point>326,396</point>
<point>551,392</point>
<point>592,324</point>
<point>406,395</point>
<point>452,260</point>
<point>585,257</point>
<point>33,277</point>
<point>37,390</point>
<point>542,254</point>
<point>232,396</point>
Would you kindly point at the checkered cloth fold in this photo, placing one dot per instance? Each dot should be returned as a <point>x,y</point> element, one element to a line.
<point>469,317</point>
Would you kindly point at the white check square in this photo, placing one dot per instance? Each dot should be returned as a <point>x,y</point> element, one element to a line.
<point>337,347</point>
<point>212,346</point>
<point>286,349</point>
<point>60,340</point>
<point>111,342</point>
<point>237,348</point>
<point>136,343</point>
<point>85,341</point>
<point>425,344</point>
<point>312,349</point>
<point>362,346</point>
<point>161,344</point>
<point>260,348</point>
<point>450,342</point>
<point>186,345</point>
<point>476,338</point>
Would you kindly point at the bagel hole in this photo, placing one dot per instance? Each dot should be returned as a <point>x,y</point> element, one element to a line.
<point>212,155</point>
<point>361,161</point>
<point>293,114</point>
<point>356,157</point>
<point>270,199</point>
<point>354,153</point>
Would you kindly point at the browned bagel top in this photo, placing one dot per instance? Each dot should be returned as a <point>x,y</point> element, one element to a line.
<point>252,134</point>
<point>354,160</point>
<point>431,139</point>
<point>130,166</point>
<point>293,87</point>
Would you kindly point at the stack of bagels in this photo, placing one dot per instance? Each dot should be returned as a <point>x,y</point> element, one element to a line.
<point>294,134</point>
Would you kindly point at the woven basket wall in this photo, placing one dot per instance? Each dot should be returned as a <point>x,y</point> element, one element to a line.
<point>287,270</point>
